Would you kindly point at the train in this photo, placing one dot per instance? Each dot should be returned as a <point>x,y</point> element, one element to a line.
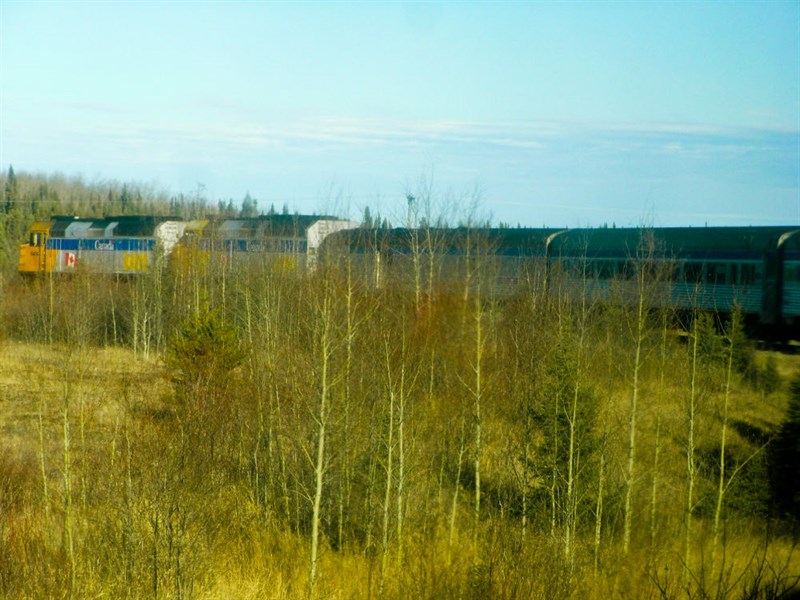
<point>130,245</point>
<point>710,268</point>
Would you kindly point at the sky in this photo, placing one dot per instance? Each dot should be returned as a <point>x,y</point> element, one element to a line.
<point>553,114</point>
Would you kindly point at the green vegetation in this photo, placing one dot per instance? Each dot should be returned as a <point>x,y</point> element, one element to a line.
<point>251,433</point>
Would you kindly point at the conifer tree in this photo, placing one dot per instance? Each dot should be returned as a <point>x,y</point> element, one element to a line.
<point>10,191</point>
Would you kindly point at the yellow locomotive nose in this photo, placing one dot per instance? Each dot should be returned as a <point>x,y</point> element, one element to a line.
<point>34,257</point>
<point>28,258</point>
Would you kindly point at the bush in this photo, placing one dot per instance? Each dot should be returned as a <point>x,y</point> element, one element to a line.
<point>785,458</point>
<point>203,348</point>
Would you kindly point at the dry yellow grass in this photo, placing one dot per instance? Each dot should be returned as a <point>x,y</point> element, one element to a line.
<point>244,558</point>
<point>35,378</point>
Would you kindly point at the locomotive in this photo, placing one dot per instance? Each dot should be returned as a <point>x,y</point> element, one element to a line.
<point>123,244</point>
<point>291,241</point>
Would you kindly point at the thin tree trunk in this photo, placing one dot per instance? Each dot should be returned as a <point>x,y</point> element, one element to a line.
<point>401,409</point>
<point>42,464</point>
<point>478,397</point>
<point>322,421</point>
<point>344,491</point>
<point>654,488</point>
<point>454,506</point>
<point>723,437</point>
<point>691,470</point>
<point>69,540</point>
<point>525,459</point>
<point>631,467</point>
<point>657,449</point>
<point>554,474</point>
<point>598,513</point>
<point>569,503</point>
<point>389,467</point>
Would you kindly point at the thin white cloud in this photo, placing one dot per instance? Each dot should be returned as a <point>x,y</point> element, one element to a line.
<point>553,136</point>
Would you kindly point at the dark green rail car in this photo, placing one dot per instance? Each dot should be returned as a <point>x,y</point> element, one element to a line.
<point>711,268</point>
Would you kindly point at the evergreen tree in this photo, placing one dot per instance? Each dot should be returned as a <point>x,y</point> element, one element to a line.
<point>555,418</point>
<point>249,206</point>
<point>10,191</point>
<point>124,200</point>
<point>785,458</point>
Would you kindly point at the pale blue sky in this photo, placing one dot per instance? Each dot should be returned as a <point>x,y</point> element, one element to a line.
<point>550,113</point>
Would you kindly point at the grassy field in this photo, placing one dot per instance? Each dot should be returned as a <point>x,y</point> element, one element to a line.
<point>94,504</point>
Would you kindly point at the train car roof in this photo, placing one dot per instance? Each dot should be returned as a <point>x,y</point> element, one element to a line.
<point>621,242</point>
<point>267,226</point>
<point>113,226</point>
<point>670,241</point>
<point>450,240</point>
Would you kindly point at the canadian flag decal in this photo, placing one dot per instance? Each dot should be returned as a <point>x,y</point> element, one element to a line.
<point>70,259</point>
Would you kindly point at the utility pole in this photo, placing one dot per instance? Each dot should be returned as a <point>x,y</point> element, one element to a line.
<point>410,199</point>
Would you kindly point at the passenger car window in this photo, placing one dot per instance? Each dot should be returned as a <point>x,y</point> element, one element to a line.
<point>747,274</point>
<point>693,272</point>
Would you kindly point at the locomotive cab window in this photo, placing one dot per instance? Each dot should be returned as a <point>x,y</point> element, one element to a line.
<point>36,239</point>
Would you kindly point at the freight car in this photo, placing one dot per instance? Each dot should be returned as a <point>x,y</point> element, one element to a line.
<point>711,268</point>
